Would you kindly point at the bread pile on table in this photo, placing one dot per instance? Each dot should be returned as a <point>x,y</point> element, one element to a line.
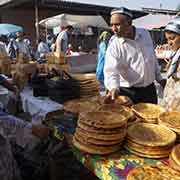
<point>153,172</point>
<point>149,140</point>
<point>100,132</point>
<point>147,112</point>
<point>89,85</point>
<point>23,69</point>
<point>171,120</point>
<point>57,61</point>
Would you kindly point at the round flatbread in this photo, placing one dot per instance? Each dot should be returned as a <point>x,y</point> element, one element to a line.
<point>155,156</point>
<point>123,100</point>
<point>89,82</point>
<point>122,110</point>
<point>156,148</point>
<point>170,120</point>
<point>89,95</point>
<point>150,135</point>
<point>85,76</point>
<point>94,141</point>
<point>80,105</point>
<point>148,110</point>
<point>92,129</point>
<point>89,86</point>
<point>147,120</point>
<point>93,149</point>
<point>175,154</point>
<point>105,137</point>
<point>153,172</point>
<point>103,119</point>
<point>173,164</point>
<point>148,150</point>
<point>136,120</point>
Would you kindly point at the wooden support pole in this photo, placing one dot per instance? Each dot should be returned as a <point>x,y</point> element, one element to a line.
<point>37,21</point>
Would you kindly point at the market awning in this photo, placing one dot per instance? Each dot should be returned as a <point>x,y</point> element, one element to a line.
<point>153,21</point>
<point>74,20</point>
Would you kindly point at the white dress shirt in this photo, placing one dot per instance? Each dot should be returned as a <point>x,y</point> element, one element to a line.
<point>23,47</point>
<point>62,36</point>
<point>131,62</point>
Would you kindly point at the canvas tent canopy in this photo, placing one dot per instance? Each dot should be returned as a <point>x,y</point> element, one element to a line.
<point>74,20</point>
<point>153,21</point>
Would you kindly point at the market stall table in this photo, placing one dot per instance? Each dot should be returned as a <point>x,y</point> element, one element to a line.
<point>37,107</point>
<point>108,167</point>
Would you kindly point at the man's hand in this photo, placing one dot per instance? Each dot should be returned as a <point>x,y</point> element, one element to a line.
<point>40,131</point>
<point>111,96</point>
<point>163,83</point>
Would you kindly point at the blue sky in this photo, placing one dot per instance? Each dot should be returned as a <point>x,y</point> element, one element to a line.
<point>136,4</point>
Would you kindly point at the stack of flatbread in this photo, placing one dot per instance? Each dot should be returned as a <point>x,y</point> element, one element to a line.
<point>172,121</point>
<point>89,85</point>
<point>150,140</point>
<point>100,132</point>
<point>148,112</point>
<point>153,172</point>
<point>174,158</point>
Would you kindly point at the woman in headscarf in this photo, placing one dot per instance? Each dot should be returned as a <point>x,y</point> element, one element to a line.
<point>171,99</point>
<point>103,43</point>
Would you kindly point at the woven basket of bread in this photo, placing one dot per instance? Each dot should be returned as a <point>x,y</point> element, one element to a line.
<point>61,67</point>
<point>5,65</point>
<point>28,68</point>
<point>20,79</point>
<point>23,58</point>
<point>56,58</point>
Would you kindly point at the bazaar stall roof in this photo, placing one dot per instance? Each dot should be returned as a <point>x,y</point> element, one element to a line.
<point>67,6</point>
<point>153,21</point>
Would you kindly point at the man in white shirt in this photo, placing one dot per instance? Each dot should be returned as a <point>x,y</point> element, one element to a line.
<point>62,40</point>
<point>22,46</point>
<point>42,50</point>
<point>131,65</point>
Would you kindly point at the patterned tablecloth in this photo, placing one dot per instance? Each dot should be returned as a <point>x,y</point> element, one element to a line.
<point>115,166</point>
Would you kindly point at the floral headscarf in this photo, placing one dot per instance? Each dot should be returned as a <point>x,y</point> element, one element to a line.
<point>105,36</point>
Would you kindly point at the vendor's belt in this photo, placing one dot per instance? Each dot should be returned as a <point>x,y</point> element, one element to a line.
<point>151,85</point>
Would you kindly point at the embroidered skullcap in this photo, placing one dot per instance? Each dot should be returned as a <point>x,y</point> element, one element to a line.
<point>122,10</point>
<point>174,25</point>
